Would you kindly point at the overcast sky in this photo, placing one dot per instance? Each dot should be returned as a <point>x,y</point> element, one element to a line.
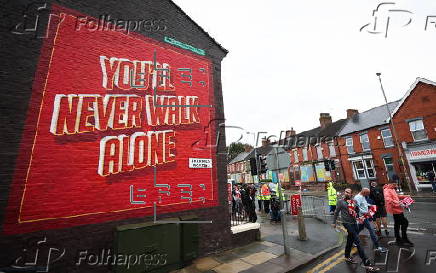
<point>290,60</point>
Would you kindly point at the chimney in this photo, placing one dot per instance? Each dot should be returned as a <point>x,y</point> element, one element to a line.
<point>324,119</point>
<point>351,113</point>
<point>247,148</point>
<point>265,142</point>
<point>290,132</point>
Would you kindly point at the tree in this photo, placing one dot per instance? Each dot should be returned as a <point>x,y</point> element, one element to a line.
<point>236,148</point>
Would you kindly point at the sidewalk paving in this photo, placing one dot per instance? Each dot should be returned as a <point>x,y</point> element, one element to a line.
<point>267,255</point>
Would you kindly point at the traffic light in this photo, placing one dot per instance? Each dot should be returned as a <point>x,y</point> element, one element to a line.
<point>253,166</point>
<point>262,160</point>
<point>327,165</point>
<point>332,165</point>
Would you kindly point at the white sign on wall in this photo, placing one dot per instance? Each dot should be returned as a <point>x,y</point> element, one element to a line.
<point>423,154</point>
<point>200,163</point>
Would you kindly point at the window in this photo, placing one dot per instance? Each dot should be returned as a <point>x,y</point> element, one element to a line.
<point>305,154</point>
<point>369,168</point>
<point>332,150</point>
<point>387,137</point>
<point>364,168</point>
<point>319,152</point>
<point>389,167</point>
<point>360,169</point>
<point>417,130</point>
<point>349,144</point>
<point>295,156</point>
<point>364,140</point>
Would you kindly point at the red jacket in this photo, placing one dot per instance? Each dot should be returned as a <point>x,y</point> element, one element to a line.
<point>392,199</point>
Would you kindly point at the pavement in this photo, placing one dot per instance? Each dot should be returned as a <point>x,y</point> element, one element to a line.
<point>267,255</point>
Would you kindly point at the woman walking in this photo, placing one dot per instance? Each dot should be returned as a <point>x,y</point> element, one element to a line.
<point>395,207</point>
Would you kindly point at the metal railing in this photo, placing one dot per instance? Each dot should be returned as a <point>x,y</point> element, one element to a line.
<point>238,214</point>
<point>316,207</point>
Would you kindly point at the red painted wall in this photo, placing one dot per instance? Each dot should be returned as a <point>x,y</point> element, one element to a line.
<point>72,172</point>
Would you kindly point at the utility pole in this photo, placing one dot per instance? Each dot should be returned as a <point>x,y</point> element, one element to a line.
<point>395,136</point>
<point>283,216</point>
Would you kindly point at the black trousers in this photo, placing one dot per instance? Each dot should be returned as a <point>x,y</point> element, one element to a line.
<point>353,237</point>
<point>259,202</point>
<point>266,206</point>
<point>400,222</point>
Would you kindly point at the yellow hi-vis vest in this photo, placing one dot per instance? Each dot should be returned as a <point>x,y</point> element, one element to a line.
<point>265,193</point>
<point>331,194</point>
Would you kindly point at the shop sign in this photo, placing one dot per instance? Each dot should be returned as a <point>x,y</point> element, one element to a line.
<point>423,154</point>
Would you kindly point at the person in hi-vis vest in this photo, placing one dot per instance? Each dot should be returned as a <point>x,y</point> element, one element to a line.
<point>266,196</point>
<point>332,197</point>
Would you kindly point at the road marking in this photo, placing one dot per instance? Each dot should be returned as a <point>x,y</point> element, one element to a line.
<point>319,266</point>
<point>338,261</point>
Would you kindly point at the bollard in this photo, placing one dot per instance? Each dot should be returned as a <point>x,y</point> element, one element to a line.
<point>301,226</point>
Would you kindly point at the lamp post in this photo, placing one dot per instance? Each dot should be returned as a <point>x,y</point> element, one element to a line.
<point>395,136</point>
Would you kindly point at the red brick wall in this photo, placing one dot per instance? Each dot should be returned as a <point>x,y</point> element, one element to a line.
<point>420,104</point>
<point>377,150</point>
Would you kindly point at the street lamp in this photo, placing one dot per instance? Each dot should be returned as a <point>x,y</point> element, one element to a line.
<point>394,132</point>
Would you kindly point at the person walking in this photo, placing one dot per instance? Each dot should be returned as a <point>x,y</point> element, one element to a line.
<point>332,197</point>
<point>248,202</point>
<point>430,177</point>
<point>363,208</point>
<point>252,191</point>
<point>395,207</point>
<point>259,198</point>
<point>346,207</point>
<point>266,195</point>
<point>376,194</point>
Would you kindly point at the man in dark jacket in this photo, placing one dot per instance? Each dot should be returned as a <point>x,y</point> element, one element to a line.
<point>376,194</point>
<point>346,207</point>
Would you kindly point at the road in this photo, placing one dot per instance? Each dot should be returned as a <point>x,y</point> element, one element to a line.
<point>403,260</point>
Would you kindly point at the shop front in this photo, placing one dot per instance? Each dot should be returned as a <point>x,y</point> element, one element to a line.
<point>422,160</point>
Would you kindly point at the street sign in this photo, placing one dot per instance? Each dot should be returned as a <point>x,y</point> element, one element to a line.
<point>200,163</point>
<point>295,203</point>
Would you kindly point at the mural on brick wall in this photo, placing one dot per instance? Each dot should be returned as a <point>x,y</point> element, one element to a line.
<point>117,124</point>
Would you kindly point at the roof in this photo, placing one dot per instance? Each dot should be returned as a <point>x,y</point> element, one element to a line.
<point>412,87</point>
<point>201,29</point>
<point>240,157</point>
<point>330,130</point>
<point>373,117</point>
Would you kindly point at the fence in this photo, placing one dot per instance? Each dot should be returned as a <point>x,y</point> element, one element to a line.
<point>316,207</point>
<point>238,215</point>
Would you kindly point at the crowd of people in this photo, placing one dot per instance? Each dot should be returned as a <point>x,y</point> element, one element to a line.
<point>360,211</point>
<point>268,198</point>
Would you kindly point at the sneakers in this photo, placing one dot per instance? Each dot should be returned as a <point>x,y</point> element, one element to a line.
<point>350,260</point>
<point>381,249</point>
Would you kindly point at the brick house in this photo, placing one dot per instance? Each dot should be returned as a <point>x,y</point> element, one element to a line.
<point>69,181</point>
<point>239,167</point>
<point>314,156</point>
<point>415,126</point>
<point>367,147</point>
